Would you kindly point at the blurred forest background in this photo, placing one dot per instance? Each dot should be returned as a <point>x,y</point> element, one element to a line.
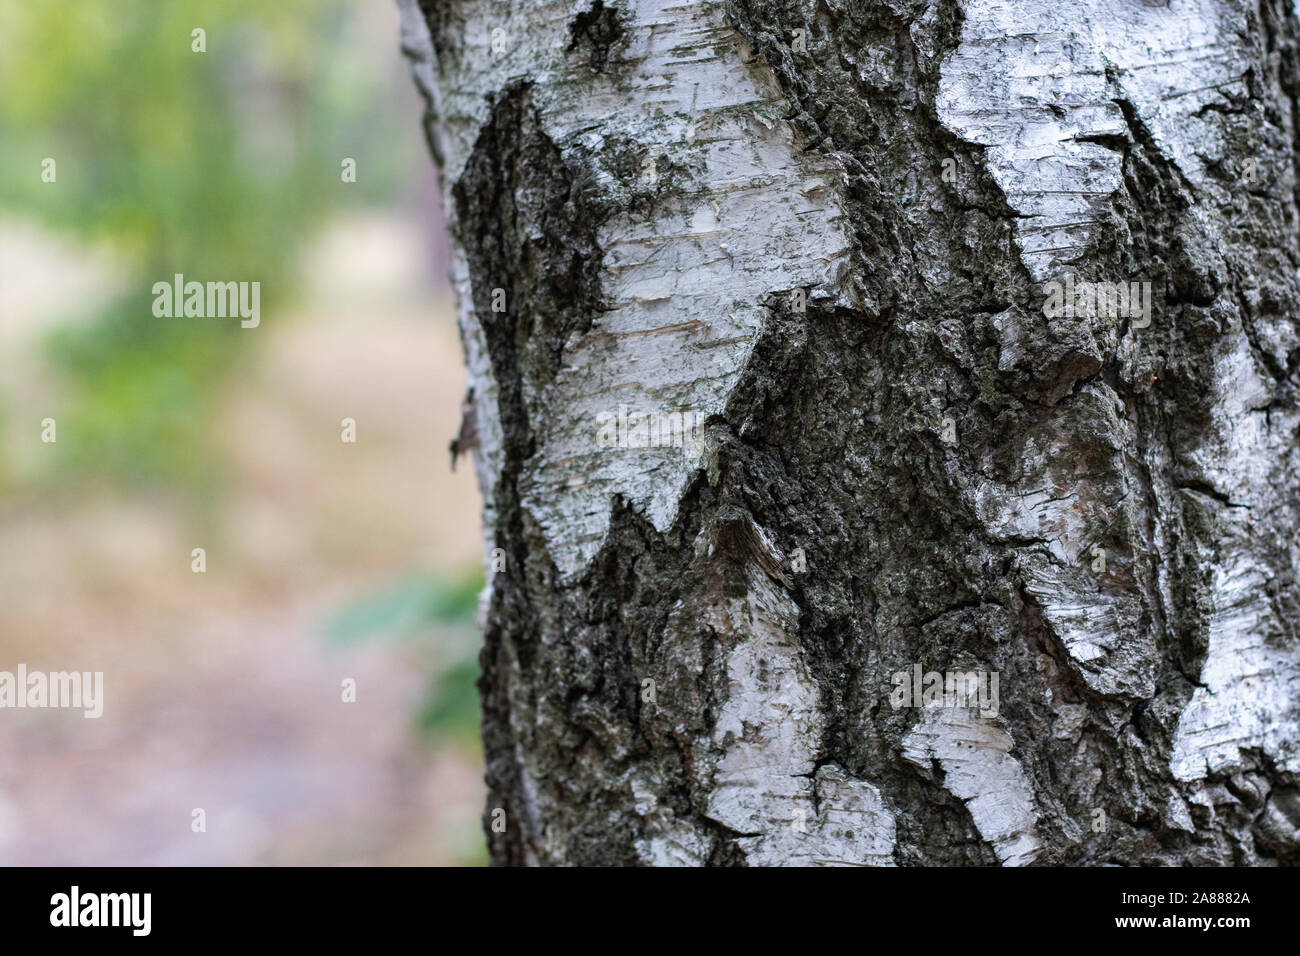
<point>325,560</point>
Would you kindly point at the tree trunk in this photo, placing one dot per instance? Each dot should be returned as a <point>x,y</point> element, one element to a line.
<point>986,312</point>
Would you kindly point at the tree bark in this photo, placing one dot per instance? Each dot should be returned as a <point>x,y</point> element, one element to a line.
<point>832,231</point>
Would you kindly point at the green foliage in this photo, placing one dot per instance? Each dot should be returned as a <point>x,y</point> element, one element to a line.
<point>451,708</point>
<point>155,376</point>
<point>409,607</point>
<point>215,165</point>
<point>413,608</point>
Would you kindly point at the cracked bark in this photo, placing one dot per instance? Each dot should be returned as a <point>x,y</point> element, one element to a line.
<point>920,466</point>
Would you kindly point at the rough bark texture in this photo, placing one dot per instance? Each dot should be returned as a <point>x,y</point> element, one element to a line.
<point>920,466</point>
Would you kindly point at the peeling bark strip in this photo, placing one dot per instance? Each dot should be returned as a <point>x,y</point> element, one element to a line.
<point>832,231</point>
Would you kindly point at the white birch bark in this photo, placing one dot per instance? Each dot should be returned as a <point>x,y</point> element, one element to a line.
<point>829,232</point>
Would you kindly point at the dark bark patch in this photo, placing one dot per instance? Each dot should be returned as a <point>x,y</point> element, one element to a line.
<point>529,235</point>
<point>599,33</point>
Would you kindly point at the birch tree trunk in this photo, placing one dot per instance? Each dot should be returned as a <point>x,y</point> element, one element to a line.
<point>894,258</point>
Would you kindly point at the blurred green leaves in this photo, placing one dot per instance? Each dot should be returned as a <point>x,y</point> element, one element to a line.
<point>409,606</point>
<point>158,379</point>
<point>218,165</point>
<point>419,607</point>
